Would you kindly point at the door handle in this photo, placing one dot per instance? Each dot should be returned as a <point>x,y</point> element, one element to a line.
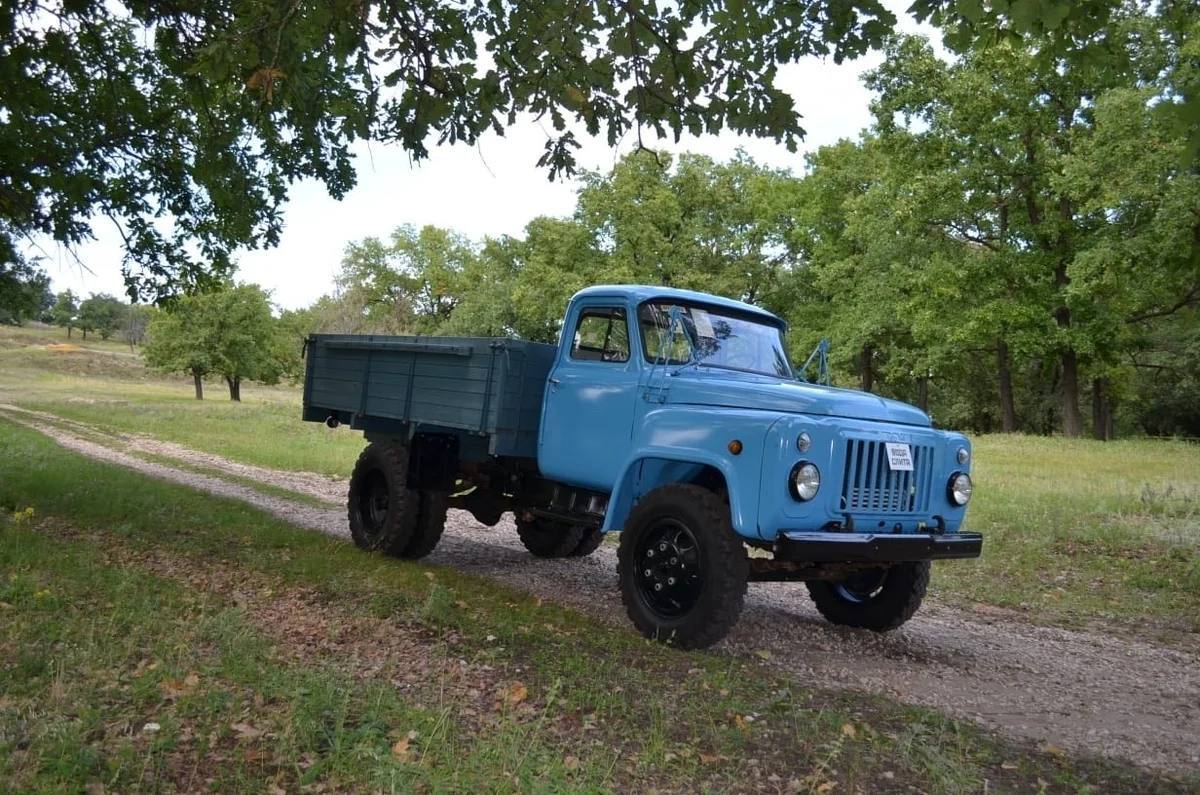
<point>554,381</point>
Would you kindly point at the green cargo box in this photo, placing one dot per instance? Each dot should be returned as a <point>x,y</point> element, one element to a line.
<point>490,387</point>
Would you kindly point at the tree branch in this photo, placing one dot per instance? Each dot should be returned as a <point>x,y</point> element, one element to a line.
<point>1192,298</point>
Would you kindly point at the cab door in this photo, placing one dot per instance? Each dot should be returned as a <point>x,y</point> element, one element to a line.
<point>591,395</point>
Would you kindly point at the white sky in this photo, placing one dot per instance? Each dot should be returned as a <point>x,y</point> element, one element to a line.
<point>492,189</point>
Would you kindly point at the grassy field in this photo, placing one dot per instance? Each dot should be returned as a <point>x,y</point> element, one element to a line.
<point>154,638</point>
<point>1077,531</point>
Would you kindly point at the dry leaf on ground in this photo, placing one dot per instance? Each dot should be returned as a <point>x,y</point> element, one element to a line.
<point>516,693</point>
<point>245,731</point>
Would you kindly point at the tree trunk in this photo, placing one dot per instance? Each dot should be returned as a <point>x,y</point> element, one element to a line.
<point>1008,409</point>
<point>68,332</point>
<point>867,370</point>
<point>1072,420</point>
<point>1102,409</point>
<point>923,394</point>
<point>199,384</point>
<point>235,387</point>
<point>84,333</point>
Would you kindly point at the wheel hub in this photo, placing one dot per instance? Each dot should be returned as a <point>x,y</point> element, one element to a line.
<point>374,504</point>
<point>668,571</point>
<point>862,586</point>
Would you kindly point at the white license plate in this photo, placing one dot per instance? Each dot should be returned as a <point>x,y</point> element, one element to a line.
<point>899,457</point>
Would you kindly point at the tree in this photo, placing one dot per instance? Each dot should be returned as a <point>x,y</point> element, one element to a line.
<point>179,340</point>
<point>247,340</point>
<point>995,139</point>
<point>206,113</point>
<point>230,332</point>
<point>24,292</point>
<point>101,313</point>
<point>65,311</point>
<point>138,318</point>
<point>694,223</point>
<point>409,284</point>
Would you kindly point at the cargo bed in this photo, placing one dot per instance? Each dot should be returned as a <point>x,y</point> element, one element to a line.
<point>489,387</point>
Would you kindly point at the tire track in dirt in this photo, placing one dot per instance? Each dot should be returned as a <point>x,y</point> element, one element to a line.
<point>1082,691</point>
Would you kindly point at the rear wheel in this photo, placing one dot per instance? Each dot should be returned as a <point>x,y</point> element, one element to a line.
<point>682,568</point>
<point>591,541</point>
<point>431,522</point>
<point>381,508</point>
<point>878,599</point>
<point>548,539</point>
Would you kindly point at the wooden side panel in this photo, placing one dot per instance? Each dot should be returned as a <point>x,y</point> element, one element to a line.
<point>492,387</point>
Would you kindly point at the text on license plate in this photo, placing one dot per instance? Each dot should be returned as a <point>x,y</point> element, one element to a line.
<point>899,457</point>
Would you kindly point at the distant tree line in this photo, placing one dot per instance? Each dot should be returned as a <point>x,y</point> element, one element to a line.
<point>228,331</point>
<point>25,295</point>
<point>1013,239</point>
<point>24,292</point>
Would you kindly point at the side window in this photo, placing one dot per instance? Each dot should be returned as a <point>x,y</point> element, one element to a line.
<point>601,336</point>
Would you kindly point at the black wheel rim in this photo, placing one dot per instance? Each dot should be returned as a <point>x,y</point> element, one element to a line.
<point>668,569</point>
<point>863,586</point>
<point>373,503</point>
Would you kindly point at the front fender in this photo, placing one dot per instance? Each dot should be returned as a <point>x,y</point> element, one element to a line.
<point>683,444</point>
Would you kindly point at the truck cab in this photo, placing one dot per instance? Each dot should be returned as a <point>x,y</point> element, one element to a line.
<point>675,418</point>
<point>650,385</point>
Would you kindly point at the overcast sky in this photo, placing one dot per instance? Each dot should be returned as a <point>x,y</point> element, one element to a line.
<point>494,188</point>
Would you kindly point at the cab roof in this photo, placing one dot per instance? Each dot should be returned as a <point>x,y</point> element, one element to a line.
<point>638,293</point>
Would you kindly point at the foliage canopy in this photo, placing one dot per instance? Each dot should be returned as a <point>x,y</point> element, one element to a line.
<point>183,124</point>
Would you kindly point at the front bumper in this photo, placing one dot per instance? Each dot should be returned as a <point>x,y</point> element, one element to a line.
<point>875,548</point>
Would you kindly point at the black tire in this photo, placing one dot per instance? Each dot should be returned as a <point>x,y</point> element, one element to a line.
<point>431,521</point>
<point>877,599</point>
<point>703,578</point>
<point>381,508</point>
<point>547,539</point>
<point>589,543</point>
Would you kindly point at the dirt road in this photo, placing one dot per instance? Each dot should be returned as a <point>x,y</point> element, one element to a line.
<point>1086,692</point>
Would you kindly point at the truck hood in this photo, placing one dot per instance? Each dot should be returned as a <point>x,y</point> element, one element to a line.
<point>712,387</point>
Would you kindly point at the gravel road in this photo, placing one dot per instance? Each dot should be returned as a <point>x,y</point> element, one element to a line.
<point>1081,691</point>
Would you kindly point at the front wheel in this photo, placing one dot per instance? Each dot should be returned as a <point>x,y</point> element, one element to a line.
<point>877,599</point>
<point>682,568</point>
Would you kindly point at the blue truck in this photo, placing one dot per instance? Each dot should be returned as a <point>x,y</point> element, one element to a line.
<point>673,417</point>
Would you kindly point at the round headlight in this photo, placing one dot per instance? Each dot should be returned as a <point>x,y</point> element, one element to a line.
<point>960,488</point>
<point>805,481</point>
<point>803,442</point>
<point>963,456</point>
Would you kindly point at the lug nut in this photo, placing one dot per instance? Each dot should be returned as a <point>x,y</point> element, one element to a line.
<point>670,581</point>
<point>662,547</point>
<point>674,561</point>
<point>658,586</point>
<point>649,553</point>
<point>647,572</point>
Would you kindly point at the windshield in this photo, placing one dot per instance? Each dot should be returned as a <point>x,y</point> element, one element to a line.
<point>679,334</point>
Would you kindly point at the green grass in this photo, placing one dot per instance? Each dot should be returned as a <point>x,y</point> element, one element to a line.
<point>96,637</point>
<point>112,389</point>
<point>1077,531</point>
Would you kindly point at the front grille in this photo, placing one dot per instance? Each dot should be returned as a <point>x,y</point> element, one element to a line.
<point>870,486</point>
